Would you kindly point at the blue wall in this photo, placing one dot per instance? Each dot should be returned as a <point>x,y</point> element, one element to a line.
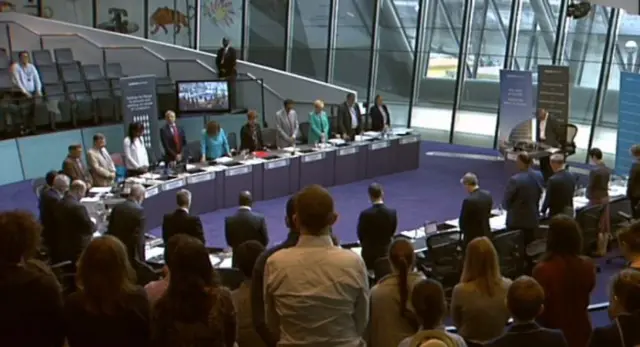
<point>31,157</point>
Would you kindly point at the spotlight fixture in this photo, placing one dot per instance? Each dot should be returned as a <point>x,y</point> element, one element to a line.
<point>578,10</point>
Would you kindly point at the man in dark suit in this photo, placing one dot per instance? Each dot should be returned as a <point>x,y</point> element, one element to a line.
<point>552,133</point>
<point>633,184</point>
<point>226,60</point>
<point>126,222</point>
<point>180,222</point>
<point>525,301</point>
<point>73,166</point>
<point>522,200</point>
<point>475,211</point>
<point>599,176</point>
<point>251,134</point>
<point>376,226</point>
<point>74,228</point>
<point>560,189</point>
<point>49,200</point>
<point>172,138</point>
<point>245,225</point>
<point>349,118</point>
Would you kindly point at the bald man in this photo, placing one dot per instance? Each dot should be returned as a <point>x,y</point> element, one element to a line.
<point>245,225</point>
<point>251,134</point>
<point>74,228</point>
<point>172,138</point>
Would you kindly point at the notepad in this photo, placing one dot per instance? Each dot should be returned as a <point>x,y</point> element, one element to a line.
<point>100,190</point>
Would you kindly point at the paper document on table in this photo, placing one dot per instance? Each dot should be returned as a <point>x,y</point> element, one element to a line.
<point>498,222</point>
<point>189,167</point>
<point>154,252</point>
<point>359,138</point>
<point>91,199</point>
<point>150,176</point>
<point>226,263</point>
<point>223,160</point>
<point>100,190</point>
<point>371,133</point>
<point>552,149</point>
<point>253,161</point>
<point>401,131</point>
<point>214,260</point>
<point>337,142</point>
<point>414,234</point>
<point>289,149</point>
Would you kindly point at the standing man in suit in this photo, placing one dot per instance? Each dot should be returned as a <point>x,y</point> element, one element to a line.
<point>73,166</point>
<point>226,61</point>
<point>287,125</point>
<point>475,211</point>
<point>560,189</point>
<point>551,133</point>
<point>48,205</point>
<point>633,184</point>
<point>598,194</point>
<point>245,225</point>
<point>349,118</point>
<point>74,228</point>
<point>379,114</point>
<point>172,138</point>
<point>522,201</point>
<point>180,221</point>
<point>126,222</point>
<point>251,134</point>
<point>101,167</point>
<point>376,226</point>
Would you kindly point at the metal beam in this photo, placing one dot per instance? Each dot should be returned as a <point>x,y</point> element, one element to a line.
<point>531,47</point>
<point>288,35</point>
<point>515,14</point>
<point>605,71</point>
<point>373,55</point>
<point>467,15</point>
<point>541,16</point>
<point>331,38</point>
<point>246,30</point>
<point>432,14</point>
<point>580,46</point>
<point>196,19</point>
<point>478,49</point>
<point>418,62</point>
<point>561,35</point>
<point>449,22</point>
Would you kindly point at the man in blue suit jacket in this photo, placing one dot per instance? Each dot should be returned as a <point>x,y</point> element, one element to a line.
<point>560,189</point>
<point>525,300</point>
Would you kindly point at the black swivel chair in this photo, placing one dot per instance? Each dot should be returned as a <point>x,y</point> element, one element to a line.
<point>233,142</point>
<point>588,219</point>
<point>509,246</point>
<point>443,258</point>
<point>231,278</point>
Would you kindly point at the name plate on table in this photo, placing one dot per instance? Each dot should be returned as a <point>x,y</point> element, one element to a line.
<point>151,192</point>
<point>238,171</point>
<point>347,151</point>
<point>276,164</point>
<point>201,177</point>
<point>408,139</point>
<point>173,184</point>
<point>312,157</point>
<point>378,145</point>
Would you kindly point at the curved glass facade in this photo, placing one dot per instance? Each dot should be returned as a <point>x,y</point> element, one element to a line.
<point>435,62</point>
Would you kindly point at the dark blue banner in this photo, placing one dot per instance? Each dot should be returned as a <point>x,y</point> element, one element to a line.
<point>516,106</point>
<point>140,104</point>
<point>628,120</point>
<point>554,87</point>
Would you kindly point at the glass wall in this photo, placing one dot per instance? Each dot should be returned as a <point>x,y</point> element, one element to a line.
<point>310,38</point>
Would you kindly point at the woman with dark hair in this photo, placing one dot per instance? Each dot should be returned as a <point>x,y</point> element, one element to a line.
<point>195,310</point>
<point>136,158</point>
<point>567,279</point>
<point>392,318</point>
<point>380,116</point>
<point>108,309</point>
<point>213,143</point>
<point>629,241</point>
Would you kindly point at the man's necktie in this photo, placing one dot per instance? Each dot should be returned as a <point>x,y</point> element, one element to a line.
<point>254,137</point>
<point>176,137</point>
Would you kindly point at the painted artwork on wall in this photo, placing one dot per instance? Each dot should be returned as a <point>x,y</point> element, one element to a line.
<point>71,11</point>
<point>25,6</point>
<point>219,19</point>
<point>121,16</point>
<point>172,21</point>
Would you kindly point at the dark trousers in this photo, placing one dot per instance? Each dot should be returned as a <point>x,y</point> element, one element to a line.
<point>635,210</point>
<point>545,167</point>
<point>528,236</point>
<point>232,89</point>
<point>135,172</point>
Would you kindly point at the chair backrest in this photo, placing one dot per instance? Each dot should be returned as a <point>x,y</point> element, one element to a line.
<point>4,61</point>
<point>117,159</point>
<point>92,72</point>
<point>588,219</point>
<point>194,151</point>
<point>114,70</point>
<point>444,247</point>
<point>63,55</point>
<point>269,137</point>
<point>572,131</point>
<point>42,57</point>
<point>509,246</point>
<point>304,131</point>
<point>232,140</point>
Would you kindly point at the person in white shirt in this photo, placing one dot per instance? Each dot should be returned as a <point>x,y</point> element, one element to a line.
<point>136,158</point>
<point>287,125</point>
<point>316,294</point>
<point>27,79</point>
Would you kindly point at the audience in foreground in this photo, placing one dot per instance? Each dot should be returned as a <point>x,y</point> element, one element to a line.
<point>525,300</point>
<point>195,311</point>
<point>316,293</point>
<point>108,309</point>
<point>156,289</point>
<point>629,241</point>
<point>392,318</point>
<point>477,303</point>
<point>567,280</point>
<point>248,253</point>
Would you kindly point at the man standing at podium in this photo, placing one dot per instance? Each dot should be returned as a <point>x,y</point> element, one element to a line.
<point>550,132</point>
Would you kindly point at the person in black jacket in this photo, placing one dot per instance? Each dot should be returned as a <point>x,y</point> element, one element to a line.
<point>349,118</point>
<point>624,309</point>
<point>525,300</point>
<point>376,226</point>
<point>251,134</point>
<point>560,189</point>
<point>30,297</point>
<point>49,199</point>
<point>633,185</point>
<point>172,138</point>
<point>74,228</point>
<point>380,117</point>
<point>476,210</point>
<point>180,221</point>
<point>245,225</point>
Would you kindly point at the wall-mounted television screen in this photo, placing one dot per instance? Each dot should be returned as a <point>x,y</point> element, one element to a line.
<point>203,96</point>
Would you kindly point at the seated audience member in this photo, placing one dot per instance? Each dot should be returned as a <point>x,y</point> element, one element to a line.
<point>560,188</point>
<point>316,293</point>
<point>180,221</point>
<point>251,134</point>
<point>477,302</point>
<point>257,280</point>
<point>31,300</point>
<point>101,166</point>
<point>430,305</point>
<point>73,166</point>
<point>629,241</point>
<point>248,253</point>
<point>156,289</point>
<point>475,211</point>
<point>525,300</point>
<point>392,318</point>
<point>195,310</point>
<point>213,143</point>
<point>49,200</point>
<point>74,228</point>
<point>624,308</point>
<point>136,158</point>
<point>108,309</point>
<point>245,225</point>
<point>25,77</point>
<point>376,226</point>
<point>567,280</point>
<point>633,184</point>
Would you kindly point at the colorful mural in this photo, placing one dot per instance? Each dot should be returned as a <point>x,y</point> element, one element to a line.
<point>119,22</point>
<point>220,12</point>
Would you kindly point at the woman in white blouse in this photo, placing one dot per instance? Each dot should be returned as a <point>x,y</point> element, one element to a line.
<point>135,153</point>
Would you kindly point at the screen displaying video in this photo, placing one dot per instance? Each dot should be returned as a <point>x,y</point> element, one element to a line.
<point>203,96</point>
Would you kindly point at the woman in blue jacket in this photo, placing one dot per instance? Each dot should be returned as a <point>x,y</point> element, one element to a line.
<point>318,124</point>
<point>213,143</point>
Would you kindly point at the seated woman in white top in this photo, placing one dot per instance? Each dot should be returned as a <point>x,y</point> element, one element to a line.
<point>135,153</point>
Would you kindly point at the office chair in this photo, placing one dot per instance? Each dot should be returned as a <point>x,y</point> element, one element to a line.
<point>381,268</point>
<point>231,278</point>
<point>304,132</point>
<point>509,246</point>
<point>232,139</point>
<point>443,258</point>
<point>569,147</point>
<point>589,221</point>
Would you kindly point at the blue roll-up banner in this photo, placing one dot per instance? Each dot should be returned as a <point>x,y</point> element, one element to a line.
<point>140,104</point>
<point>628,120</point>
<point>516,106</point>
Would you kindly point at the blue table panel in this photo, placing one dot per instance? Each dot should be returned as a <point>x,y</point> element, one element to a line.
<point>236,180</point>
<point>203,188</point>
<point>406,153</point>
<point>379,158</point>
<point>276,176</point>
<point>350,164</point>
<point>161,200</point>
<point>317,168</point>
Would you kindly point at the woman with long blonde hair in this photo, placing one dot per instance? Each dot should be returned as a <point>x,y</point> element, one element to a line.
<point>478,306</point>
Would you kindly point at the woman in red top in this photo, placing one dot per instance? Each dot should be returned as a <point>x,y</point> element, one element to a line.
<point>567,279</point>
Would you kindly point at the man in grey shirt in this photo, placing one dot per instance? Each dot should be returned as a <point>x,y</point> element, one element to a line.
<point>316,294</point>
